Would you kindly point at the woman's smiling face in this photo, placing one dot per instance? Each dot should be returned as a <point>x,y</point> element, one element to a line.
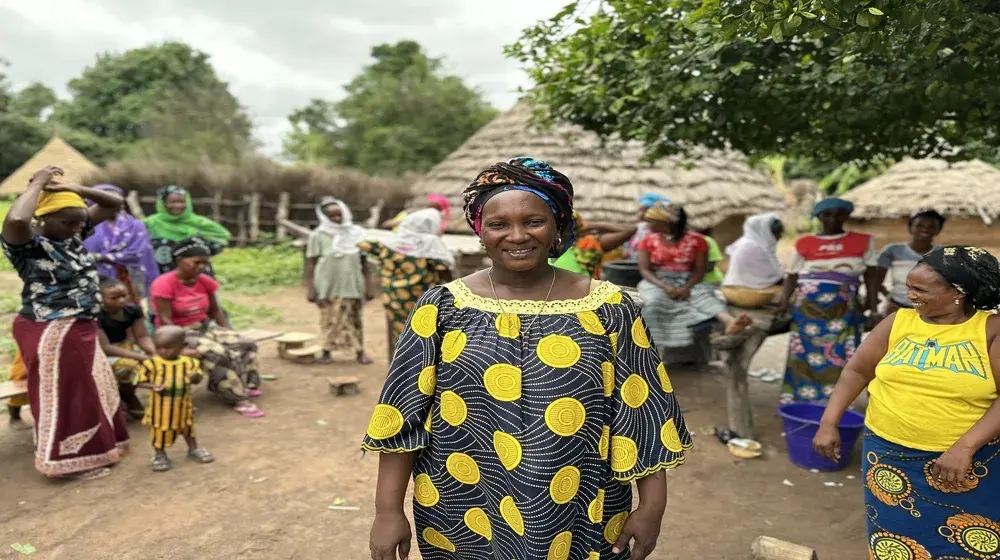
<point>518,230</point>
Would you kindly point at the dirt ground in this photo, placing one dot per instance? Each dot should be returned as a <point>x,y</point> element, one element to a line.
<point>267,494</point>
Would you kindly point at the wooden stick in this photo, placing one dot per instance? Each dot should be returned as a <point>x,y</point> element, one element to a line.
<point>295,228</point>
<point>134,207</point>
<point>254,217</point>
<point>282,230</point>
<point>769,548</point>
<point>241,224</point>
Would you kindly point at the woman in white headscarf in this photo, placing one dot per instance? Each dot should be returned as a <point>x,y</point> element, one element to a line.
<point>412,260</point>
<point>755,273</point>
<point>335,279</point>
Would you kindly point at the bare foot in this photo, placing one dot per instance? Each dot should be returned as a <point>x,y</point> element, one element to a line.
<point>739,325</point>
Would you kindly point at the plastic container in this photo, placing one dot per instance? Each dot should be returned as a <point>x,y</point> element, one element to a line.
<point>801,421</point>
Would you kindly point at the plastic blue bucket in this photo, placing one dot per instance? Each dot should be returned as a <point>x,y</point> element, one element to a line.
<point>800,422</point>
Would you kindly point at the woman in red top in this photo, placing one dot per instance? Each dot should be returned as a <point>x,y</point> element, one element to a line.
<point>186,297</point>
<point>672,261</point>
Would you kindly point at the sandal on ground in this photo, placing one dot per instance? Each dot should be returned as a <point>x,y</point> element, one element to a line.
<point>92,474</point>
<point>249,411</point>
<point>254,392</point>
<point>200,455</point>
<point>161,463</point>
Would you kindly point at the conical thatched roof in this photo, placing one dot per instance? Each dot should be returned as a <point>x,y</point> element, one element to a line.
<point>969,189</point>
<point>56,152</point>
<point>607,179</point>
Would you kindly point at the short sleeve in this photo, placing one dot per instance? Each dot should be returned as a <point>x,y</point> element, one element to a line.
<point>195,367</point>
<point>871,255</point>
<point>647,432</point>
<point>314,247</point>
<point>134,313</point>
<point>887,256</point>
<point>647,243</point>
<point>163,287</point>
<point>400,421</point>
<point>714,254</point>
<point>211,285</point>
<point>702,246</point>
<point>143,373</point>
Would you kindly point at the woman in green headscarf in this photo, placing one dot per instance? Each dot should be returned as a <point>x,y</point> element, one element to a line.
<point>175,221</point>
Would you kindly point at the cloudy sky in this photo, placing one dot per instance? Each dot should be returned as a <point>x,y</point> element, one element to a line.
<point>276,54</point>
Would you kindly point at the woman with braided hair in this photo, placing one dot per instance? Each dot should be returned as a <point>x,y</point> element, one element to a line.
<point>542,390</point>
<point>932,438</point>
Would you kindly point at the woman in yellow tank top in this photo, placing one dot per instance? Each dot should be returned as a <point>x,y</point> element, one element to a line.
<point>932,443</point>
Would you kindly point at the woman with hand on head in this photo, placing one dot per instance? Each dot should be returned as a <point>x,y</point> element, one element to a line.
<point>336,279</point>
<point>79,426</point>
<point>542,390</point>
<point>187,297</point>
<point>932,443</point>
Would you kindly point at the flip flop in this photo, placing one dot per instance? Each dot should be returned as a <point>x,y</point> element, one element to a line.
<point>200,455</point>
<point>161,463</point>
<point>249,411</point>
<point>254,392</point>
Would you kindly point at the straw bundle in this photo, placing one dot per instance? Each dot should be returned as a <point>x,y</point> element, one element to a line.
<point>712,186</point>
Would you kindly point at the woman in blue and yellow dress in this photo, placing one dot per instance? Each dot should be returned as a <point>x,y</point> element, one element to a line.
<point>523,419</point>
<point>932,439</point>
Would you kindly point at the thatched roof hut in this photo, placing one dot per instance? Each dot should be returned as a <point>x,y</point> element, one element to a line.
<point>718,190</point>
<point>58,152</point>
<point>968,193</point>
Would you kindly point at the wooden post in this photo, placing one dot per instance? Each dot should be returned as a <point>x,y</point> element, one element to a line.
<point>281,232</point>
<point>217,206</point>
<point>241,222</point>
<point>254,218</point>
<point>134,207</point>
<point>295,228</point>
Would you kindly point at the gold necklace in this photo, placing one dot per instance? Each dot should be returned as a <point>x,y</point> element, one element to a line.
<point>521,333</point>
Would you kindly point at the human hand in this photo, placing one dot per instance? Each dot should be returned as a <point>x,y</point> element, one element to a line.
<point>196,378</point>
<point>45,174</point>
<point>827,442</point>
<point>157,388</point>
<point>390,536</point>
<point>55,186</point>
<point>683,292</point>
<point>642,528</point>
<point>782,309</point>
<point>191,353</point>
<point>952,468</point>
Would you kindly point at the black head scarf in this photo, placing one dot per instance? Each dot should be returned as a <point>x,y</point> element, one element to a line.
<point>192,247</point>
<point>525,174</point>
<point>971,270</point>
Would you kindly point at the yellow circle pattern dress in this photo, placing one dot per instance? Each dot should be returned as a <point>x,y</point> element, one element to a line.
<point>526,449</point>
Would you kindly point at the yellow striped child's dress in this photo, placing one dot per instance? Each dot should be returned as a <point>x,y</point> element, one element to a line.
<point>169,413</point>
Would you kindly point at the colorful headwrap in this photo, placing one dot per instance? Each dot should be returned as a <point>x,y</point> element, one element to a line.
<point>832,203</point>
<point>649,199</point>
<point>441,201</point>
<point>663,212</point>
<point>192,247</point>
<point>51,202</point>
<point>529,175</point>
<point>164,225</point>
<point>973,271</point>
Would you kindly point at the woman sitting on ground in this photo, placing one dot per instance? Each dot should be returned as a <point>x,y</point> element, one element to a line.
<point>900,258</point>
<point>79,426</point>
<point>755,275</point>
<point>122,249</point>
<point>524,400</point>
<point>336,279</point>
<point>175,222</point>
<point>672,261</point>
<point>411,261</point>
<point>186,297</point>
<point>124,339</point>
<point>932,443</point>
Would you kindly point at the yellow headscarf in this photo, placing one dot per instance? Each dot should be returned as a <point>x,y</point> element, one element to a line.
<point>49,202</point>
<point>663,212</point>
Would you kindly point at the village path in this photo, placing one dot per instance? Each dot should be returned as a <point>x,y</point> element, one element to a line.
<point>267,494</point>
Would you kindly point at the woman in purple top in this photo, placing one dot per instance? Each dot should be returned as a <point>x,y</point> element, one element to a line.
<point>122,250</point>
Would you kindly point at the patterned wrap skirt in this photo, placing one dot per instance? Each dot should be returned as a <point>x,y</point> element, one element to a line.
<point>825,332</point>
<point>670,320</point>
<point>912,517</point>
<point>228,360</point>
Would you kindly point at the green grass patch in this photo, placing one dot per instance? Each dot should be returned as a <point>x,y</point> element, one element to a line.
<point>249,316</point>
<point>256,270</point>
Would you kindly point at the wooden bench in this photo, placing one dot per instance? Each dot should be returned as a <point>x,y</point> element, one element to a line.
<point>10,389</point>
<point>344,385</point>
<point>292,346</point>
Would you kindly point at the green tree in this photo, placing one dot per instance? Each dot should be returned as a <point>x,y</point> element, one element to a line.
<point>33,100</point>
<point>834,81</point>
<point>165,99</point>
<point>400,114</point>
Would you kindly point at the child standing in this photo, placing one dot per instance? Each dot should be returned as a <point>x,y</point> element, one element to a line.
<point>169,376</point>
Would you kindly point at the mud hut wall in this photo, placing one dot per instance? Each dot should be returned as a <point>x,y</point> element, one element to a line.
<point>957,231</point>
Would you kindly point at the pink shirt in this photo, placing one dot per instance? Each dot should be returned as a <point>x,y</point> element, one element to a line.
<point>188,304</point>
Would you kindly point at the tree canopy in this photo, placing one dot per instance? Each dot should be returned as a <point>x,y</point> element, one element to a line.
<point>163,100</point>
<point>828,80</point>
<point>402,113</point>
